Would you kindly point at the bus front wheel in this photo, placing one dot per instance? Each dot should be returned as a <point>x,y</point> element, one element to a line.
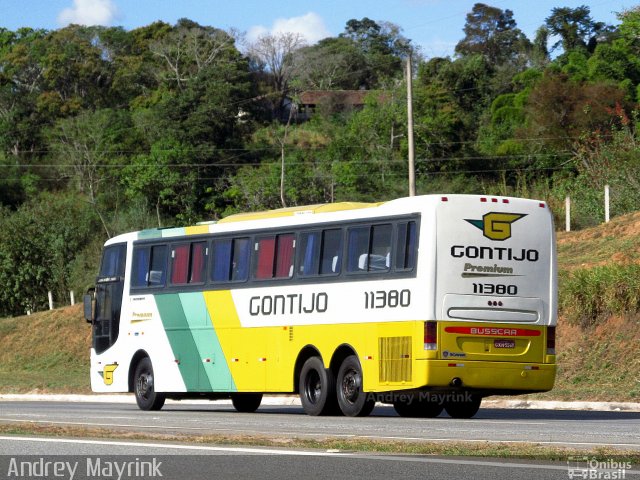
<point>353,401</point>
<point>317,388</point>
<point>144,388</point>
<point>246,402</point>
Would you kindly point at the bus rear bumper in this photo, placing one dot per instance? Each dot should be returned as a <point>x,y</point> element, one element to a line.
<point>489,376</point>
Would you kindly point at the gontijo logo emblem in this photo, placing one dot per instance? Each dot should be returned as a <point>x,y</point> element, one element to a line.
<point>496,226</point>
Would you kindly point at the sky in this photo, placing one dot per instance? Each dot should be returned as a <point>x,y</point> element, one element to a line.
<point>434,25</point>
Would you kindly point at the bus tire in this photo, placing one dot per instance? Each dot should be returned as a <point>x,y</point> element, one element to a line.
<point>464,409</point>
<point>352,400</point>
<point>418,408</point>
<point>144,388</point>
<point>317,387</point>
<point>246,402</point>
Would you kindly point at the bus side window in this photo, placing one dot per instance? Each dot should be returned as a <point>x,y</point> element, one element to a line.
<point>149,266</point>
<point>180,264</point>
<point>310,251</point>
<point>369,248</point>
<point>221,258</point>
<point>321,252</point>
<point>331,256</point>
<point>240,262</point>
<point>198,264</point>
<point>140,271</point>
<point>358,246</point>
<point>275,256</point>
<point>230,259</point>
<point>406,246</point>
<point>158,270</point>
<point>188,263</point>
<point>380,252</point>
<point>284,255</point>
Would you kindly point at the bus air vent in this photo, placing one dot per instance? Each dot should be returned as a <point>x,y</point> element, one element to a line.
<point>395,359</point>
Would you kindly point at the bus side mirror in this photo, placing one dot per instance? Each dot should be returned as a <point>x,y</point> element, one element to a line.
<point>88,308</point>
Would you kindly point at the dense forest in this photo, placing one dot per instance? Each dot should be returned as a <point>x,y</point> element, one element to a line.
<point>104,130</point>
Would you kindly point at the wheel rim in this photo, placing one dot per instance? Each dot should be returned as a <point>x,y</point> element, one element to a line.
<point>145,385</point>
<point>313,387</point>
<point>350,386</point>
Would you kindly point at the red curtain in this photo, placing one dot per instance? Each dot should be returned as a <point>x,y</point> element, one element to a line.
<point>266,250</point>
<point>284,256</point>
<point>180,267</point>
<point>197,262</point>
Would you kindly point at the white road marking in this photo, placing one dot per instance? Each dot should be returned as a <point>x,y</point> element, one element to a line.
<point>269,451</point>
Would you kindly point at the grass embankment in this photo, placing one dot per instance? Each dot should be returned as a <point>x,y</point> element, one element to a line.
<point>45,352</point>
<point>598,336</point>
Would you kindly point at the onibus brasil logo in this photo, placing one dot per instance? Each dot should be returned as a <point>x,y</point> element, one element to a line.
<point>495,225</point>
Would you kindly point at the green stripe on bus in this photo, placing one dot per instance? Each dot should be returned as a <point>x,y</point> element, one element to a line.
<point>207,342</point>
<point>182,342</point>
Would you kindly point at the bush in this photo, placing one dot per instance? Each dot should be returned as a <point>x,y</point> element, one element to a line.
<point>589,296</point>
<point>38,245</point>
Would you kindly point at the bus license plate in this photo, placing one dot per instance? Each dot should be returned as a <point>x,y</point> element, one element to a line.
<point>501,343</point>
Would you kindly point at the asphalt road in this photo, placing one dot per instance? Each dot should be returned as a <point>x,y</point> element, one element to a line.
<point>82,459</point>
<point>555,427</point>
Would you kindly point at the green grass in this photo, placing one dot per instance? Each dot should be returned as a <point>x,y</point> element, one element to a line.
<point>45,352</point>
<point>588,296</point>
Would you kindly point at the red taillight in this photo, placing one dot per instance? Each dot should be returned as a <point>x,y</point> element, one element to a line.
<point>551,340</point>
<point>430,336</point>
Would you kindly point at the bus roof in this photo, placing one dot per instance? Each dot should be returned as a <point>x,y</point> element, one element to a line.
<point>301,210</point>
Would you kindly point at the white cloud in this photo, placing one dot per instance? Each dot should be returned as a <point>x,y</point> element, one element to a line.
<point>89,12</point>
<point>310,26</point>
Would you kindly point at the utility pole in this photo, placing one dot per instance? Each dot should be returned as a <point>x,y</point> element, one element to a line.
<point>412,167</point>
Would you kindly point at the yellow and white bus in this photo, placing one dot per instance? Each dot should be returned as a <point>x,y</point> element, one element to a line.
<point>427,302</point>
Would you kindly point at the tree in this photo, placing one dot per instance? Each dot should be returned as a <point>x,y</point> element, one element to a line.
<point>383,47</point>
<point>575,27</point>
<point>84,148</point>
<point>38,245</point>
<point>559,110</point>
<point>333,63</point>
<point>491,32</point>
<point>618,60</point>
<point>165,180</point>
<point>188,50</point>
<point>539,51</point>
<point>275,54</point>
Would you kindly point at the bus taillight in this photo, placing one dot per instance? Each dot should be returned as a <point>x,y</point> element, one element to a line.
<point>551,340</point>
<point>430,335</point>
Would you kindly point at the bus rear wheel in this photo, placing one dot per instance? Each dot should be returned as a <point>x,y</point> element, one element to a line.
<point>246,402</point>
<point>144,388</point>
<point>351,398</point>
<point>317,387</point>
<point>417,408</point>
<point>465,408</point>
